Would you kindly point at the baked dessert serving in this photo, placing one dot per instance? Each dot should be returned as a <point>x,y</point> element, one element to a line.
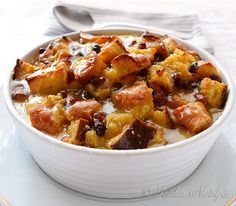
<point>118,91</point>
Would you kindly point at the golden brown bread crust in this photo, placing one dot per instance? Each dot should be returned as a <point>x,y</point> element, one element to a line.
<point>193,116</point>
<point>132,96</point>
<point>110,51</point>
<point>88,68</point>
<point>76,131</point>
<point>83,109</point>
<point>214,91</point>
<point>204,69</point>
<point>162,77</point>
<point>22,69</point>
<point>50,80</point>
<point>55,46</point>
<point>85,38</point>
<point>174,101</point>
<point>163,118</point>
<point>42,118</point>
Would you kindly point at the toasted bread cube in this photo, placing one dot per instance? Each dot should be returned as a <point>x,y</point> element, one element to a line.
<point>174,101</point>
<point>158,138</point>
<point>100,39</point>
<point>202,69</point>
<point>138,94</point>
<point>161,76</point>
<point>124,65</point>
<point>194,54</point>
<point>76,131</point>
<point>155,42</point>
<point>115,123</point>
<point>94,141</point>
<point>56,45</point>
<point>162,52</point>
<point>100,92</point>
<point>112,50</point>
<point>150,37</point>
<point>64,55</point>
<point>193,116</point>
<point>50,80</point>
<point>136,136</point>
<point>22,69</point>
<point>214,91</point>
<point>83,109</point>
<point>159,97</point>
<point>46,119</point>
<point>163,118</point>
<point>172,44</point>
<point>88,68</point>
<point>149,52</point>
<point>180,61</point>
<point>52,100</point>
<point>142,61</point>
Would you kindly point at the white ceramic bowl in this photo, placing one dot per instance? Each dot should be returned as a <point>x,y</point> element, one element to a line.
<point>117,173</point>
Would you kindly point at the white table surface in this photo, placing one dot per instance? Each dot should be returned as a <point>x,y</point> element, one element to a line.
<point>22,25</point>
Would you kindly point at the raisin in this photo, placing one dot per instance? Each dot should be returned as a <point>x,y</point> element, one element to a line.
<point>142,46</point>
<point>133,43</point>
<point>99,116</point>
<point>64,93</point>
<point>100,128</point>
<point>180,84</point>
<point>98,81</point>
<point>41,50</point>
<point>143,72</point>
<point>96,48</point>
<point>117,86</point>
<point>86,95</point>
<point>70,76</point>
<point>193,67</point>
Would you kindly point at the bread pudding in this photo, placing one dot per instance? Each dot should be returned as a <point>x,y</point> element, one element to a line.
<point>118,91</point>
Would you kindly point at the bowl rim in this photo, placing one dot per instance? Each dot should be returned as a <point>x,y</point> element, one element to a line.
<point>229,104</point>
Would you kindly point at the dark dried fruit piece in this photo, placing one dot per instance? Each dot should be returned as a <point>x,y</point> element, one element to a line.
<point>41,50</point>
<point>136,136</point>
<point>193,67</point>
<point>100,116</point>
<point>100,128</point>
<point>96,48</point>
<point>86,95</point>
<point>98,81</point>
<point>64,93</point>
<point>133,43</point>
<point>142,46</point>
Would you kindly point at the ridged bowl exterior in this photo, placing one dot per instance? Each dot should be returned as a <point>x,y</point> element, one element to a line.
<point>116,176</point>
<point>119,174</point>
